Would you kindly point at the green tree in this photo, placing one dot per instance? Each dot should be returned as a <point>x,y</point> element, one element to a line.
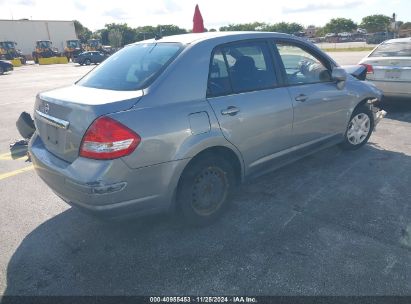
<point>115,38</point>
<point>284,27</point>
<point>375,23</point>
<point>128,34</point>
<point>255,26</point>
<point>169,30</point>
<point>82,32</point>
<point>145,32</point>
<point>405,26</point>
<point>339,25</point>
<point>320,32</point>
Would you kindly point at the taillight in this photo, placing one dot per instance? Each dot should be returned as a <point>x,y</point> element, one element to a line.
<point>370,69</point>
<point>106,138</point>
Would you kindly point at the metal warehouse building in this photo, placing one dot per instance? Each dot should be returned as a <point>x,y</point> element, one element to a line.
<point>27,32</point>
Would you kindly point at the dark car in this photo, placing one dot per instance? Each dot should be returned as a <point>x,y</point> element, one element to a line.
<point>5,67</point>
<point>88,58</point>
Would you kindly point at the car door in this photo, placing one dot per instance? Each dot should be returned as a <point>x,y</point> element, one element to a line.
<point>100,57</point>
<point>94,57</point>
<point>320,107</point>
<point>254,113</point>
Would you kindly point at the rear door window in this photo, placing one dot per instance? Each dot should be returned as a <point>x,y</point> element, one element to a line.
<point>133,67</point>
<point>218,80</point>
<point>241,67</point>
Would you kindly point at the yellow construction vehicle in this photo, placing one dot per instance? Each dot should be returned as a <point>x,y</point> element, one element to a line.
<point>94,45</point>
<point>44,49</point>
<point>8,51</point>
<point>73,49</point>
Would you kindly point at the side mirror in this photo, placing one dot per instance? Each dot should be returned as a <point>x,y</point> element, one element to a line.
<point>339,74</point>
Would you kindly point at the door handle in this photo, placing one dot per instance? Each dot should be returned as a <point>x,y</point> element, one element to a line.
<point>230,111</point>
<point>301,98</point>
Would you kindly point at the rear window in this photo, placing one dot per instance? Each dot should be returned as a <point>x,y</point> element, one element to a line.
<point>132,68</point>
<point>395,49</point>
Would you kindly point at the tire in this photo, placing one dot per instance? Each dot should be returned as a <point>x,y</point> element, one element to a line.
<point>204,190</point>
<point>359,129</point>
<point>1,70</point>
<point>87,61</point>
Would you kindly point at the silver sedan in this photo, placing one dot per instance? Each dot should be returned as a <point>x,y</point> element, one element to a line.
<point>178,122</point>
<point>389,67</point>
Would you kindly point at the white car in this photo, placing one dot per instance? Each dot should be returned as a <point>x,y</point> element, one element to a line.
<point>389,67</point>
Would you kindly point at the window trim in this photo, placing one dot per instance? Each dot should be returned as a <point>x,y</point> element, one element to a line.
<point>271,64</point>
<point>312,51</point>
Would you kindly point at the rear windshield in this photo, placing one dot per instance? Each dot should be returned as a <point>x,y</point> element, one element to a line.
<point>133,67</point>
<point>395,49</point>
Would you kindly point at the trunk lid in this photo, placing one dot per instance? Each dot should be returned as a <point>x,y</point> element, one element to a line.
<point>390,68</point>
<point>62,116</point>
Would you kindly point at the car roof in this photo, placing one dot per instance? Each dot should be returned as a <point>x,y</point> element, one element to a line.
<point>198,37</point>
<point>398,40</point>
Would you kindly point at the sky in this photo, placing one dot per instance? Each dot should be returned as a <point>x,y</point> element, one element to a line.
<point>94,14</point>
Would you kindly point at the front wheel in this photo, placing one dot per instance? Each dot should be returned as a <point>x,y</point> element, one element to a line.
<point>204,190</point>
<point>359,128</point>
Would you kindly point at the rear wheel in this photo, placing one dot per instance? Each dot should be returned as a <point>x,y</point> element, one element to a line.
<point>87,61</point>
<point>359,128</point>
<point>204,190</point>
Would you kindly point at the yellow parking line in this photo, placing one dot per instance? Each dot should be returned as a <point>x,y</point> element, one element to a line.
<point>15,172</point>
<point>6,156</point>
<point>16,154</point>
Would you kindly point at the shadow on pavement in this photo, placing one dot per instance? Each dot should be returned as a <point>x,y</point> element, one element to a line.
<point>397,108</point>
<point>332,223</point>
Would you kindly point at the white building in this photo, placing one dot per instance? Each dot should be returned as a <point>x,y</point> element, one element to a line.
<point>27,32</point>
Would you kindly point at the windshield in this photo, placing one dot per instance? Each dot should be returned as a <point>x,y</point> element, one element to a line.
<point>9,45</point>
<point>73,43</point>
<point>132,68</point>
<point>395,49</point>
<point>44,44</point>
<point>93,43</point>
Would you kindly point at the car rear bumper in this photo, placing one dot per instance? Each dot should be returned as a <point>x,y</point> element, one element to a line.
<point>107,188</point>
<point>393,88</point>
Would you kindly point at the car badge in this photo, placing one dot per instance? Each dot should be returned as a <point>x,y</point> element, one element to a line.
<point>46,108</point>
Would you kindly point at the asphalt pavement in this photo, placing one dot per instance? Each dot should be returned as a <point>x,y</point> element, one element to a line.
<point>333,223</point>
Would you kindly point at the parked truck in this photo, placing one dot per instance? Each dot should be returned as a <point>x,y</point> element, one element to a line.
<point>44,49</point>
<point>94,45</point>
<point>8,51</point>
<point>73,49</point>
